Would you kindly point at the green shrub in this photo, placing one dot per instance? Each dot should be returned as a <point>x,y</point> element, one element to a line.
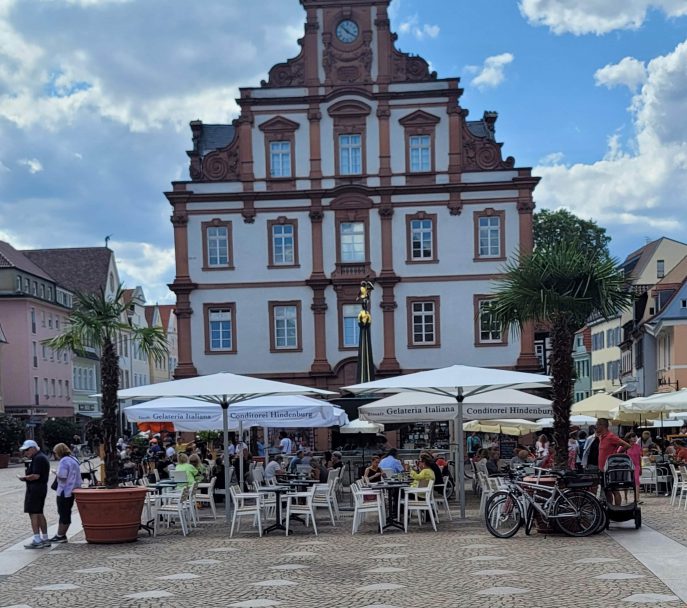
<point>58,430</point>
<point>11,434</point>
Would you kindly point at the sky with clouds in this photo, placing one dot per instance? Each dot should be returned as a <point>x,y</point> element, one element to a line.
<point>96,97</point>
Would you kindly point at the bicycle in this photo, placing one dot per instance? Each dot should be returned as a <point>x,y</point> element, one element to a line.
<point>574,512</point>
<point>90,474</point>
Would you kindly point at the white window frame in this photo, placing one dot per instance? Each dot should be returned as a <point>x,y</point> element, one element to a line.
<point>218,246</point>
<point>489,234</point>
<point>351,154</point>
<point>422,233</point>
<point>490,332</point>
<point>350,330</point>
<point>220,323</point>
<point>353,248</point>
<point>283,244</point>
<point>423,322</point>
<point>420,150</point>
<point>280,159</point>
<point>285,327</point>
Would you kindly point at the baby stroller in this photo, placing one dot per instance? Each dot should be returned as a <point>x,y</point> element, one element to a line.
<point>619,475</point>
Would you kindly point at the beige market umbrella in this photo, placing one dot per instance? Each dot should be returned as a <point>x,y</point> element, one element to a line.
<point>513,427</point>
<point>598,406</point>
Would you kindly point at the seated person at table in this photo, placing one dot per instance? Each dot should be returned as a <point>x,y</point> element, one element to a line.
<point>195,462</point>
<point>318,471</point>
<point>680,451</point>
<point>273,468</point>
<point>337,463</point>
<point>425,473</point>
<point>520,459</point>
<point>432,463</point>
<point>296,461</point>
<point>493,462</point>
<point>391,462</point>
<point>373,473</point>
<point>189,469</point>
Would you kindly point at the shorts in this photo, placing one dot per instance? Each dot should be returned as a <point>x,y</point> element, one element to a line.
<point>64,509</point>
<point>34,501</point>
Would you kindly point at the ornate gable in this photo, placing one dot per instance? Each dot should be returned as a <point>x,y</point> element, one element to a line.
<point>480,151</point>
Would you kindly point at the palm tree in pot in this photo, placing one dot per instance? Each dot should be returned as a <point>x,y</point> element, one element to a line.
<point>563,286</point>
<point>99,321</point>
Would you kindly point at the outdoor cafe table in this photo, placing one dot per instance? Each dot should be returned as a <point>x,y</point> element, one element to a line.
<point>392,489</point>
<point>277,490</point>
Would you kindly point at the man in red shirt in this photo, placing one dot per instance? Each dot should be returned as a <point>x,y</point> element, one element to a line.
<point>608,445</point>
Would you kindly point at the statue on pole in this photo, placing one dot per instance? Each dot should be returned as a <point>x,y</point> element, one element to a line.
<point>365,368</point>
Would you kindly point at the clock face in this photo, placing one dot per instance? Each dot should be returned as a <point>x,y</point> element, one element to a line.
<point>347,31</point>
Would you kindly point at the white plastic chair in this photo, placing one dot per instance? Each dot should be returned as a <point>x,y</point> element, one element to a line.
<point>418,500</point>
<point>647,478</point>
<point>324,497</point>
<point>174,508</point>
<point>442,499</point>
<point>245,505</point>
<point>208,496</point>
<point>374,504</point>
<point>293,507</point>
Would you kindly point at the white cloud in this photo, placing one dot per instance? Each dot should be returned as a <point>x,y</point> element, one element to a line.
<point>491,73</point>
<point>629,72</point>
<point>146,265</point>
<point>555,158</point>
<point>33,164</point>
<point>642,185</point>
<point>412,26</point>
<point>596,16</point>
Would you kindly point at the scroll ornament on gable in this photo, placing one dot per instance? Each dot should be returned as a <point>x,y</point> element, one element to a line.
<point>480,150</point>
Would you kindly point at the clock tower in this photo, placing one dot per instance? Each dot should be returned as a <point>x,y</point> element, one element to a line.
<point>349,43</point>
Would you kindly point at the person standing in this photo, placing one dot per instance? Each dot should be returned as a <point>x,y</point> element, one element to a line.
<point>285,444</point>
<point>474,444</point>
<point>36,479</point>
<point>68,477</point>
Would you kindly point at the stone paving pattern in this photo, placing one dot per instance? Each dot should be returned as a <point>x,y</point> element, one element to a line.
<point>461,566</point>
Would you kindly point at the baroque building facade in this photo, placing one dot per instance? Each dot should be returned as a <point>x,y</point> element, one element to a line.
<point>352,161</point>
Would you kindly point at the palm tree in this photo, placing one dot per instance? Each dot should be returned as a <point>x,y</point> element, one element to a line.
<point>99,321</point>
<point>563,286</point>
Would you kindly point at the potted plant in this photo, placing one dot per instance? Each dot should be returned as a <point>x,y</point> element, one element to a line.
<point>11,436</point>
<point>111,514</point>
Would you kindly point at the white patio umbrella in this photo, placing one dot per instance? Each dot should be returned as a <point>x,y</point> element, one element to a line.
<point>427,407</point>
<point>548,422</point>
<point>223,389</point>
<point>513,427</point>
<point>656,404</point>
<point>360,426</point>
<point>289,411</point>
<point>459,382</point>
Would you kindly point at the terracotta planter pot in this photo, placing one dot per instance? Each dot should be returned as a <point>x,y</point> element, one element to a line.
<point>110,516</point>
<point>4,461</point>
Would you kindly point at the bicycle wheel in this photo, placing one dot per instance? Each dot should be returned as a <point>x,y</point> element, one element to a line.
<point>529,520</point>
<point>450,488</point>
<point>503,515</point>
<point>576,513</point>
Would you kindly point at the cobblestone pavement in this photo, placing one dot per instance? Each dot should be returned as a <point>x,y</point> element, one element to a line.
<point>661,516</point>
<point>461,566</point>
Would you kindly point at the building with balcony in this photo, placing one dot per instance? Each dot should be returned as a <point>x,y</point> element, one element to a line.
<point>352,161</point>
<point>35,379</point>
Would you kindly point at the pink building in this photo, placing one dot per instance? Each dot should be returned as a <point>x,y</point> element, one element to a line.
<point>36,381</point>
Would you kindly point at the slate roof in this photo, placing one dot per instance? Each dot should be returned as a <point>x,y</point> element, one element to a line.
<point>82,269</point>
<point>11,258</point>
<point>479,129</point>
<point>215,137</point>
<point>165,311</point>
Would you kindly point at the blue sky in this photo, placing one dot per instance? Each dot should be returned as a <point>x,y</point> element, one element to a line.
<point>96,97</point>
